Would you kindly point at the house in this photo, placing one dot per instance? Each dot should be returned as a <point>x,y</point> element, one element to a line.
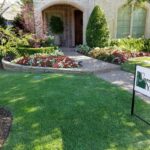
<point>12,9</point>
<point>122,20</point>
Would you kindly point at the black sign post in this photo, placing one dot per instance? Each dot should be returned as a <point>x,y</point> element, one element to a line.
<point>133,96</point>
<point>133,101</point>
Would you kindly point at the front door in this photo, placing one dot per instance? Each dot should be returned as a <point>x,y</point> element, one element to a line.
<point>78,27</point>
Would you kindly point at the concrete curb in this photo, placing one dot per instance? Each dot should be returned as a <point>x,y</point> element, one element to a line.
<point>30,69</point>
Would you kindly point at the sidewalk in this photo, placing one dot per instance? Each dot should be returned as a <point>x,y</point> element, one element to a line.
<point>89,64</point>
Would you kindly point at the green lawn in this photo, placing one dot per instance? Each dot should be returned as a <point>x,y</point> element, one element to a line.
<point>70,112</point>
<point>130,64</point>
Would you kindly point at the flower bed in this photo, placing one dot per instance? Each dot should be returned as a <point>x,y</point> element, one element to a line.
<point>45,60</point>
<point>115,55</point>
<point>123,56</point>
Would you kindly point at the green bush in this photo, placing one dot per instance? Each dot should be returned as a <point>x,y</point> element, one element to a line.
<point>8,43</point>
<point>102,53</point>
<point>97,33</point>
<point>49,41</point>
<point>18,22</point>
<point>2,22</point>
<point>84,49</point>
<point>23,51</point>
<point>129,44</point>
<point>146,45</point>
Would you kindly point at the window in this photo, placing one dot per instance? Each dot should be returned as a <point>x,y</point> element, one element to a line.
<point>131,21</point>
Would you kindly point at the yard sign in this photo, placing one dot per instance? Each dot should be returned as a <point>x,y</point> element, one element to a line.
<point>141,85</point>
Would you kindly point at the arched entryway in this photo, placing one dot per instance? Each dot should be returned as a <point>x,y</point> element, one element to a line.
<point>72,19</point>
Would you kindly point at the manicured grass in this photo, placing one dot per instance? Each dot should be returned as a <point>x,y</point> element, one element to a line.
<point>70,112</point>
<point>130,64</point>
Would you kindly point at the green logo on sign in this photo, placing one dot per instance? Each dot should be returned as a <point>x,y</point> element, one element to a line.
<point>142,81</point>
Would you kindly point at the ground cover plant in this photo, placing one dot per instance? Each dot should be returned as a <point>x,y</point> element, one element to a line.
<point>115,55</point>
<point>55,111</point>
<point>47,60</point>
<point>130,64</point>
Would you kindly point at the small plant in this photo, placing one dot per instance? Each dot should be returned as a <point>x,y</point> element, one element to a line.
<point>97,33</point>
<point>8,43</point>
<point>84,49</point>
<point>102,53</point>
<point>48,41</point>
<point>45,60</point>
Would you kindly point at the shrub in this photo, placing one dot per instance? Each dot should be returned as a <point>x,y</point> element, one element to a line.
<point>102,53</point>
<point>35,42</point>
<point>146,45</point>
<point>48,41</point>
<point>129,44</point>
<point>84,49</point>
<point>56,25</point>
<point>18,23</point>
<point>2,22</point>
<point>8,43</point>
<point>23,51</point>
<point>97,34</point>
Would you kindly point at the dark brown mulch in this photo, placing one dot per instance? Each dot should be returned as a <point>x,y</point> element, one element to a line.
<point>5,124</point>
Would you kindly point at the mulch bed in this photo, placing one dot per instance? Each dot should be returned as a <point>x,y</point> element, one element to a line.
<point>5,124</point>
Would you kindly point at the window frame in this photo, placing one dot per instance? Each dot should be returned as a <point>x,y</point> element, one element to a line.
<point>132,19</point>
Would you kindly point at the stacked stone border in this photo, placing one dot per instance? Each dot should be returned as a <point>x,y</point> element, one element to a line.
<point>9,66</point>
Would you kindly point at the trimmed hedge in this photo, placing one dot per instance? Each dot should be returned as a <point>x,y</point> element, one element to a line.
<point>97,33</point>
<point>30,51</point>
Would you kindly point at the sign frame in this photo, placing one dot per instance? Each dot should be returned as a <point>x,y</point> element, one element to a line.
<point>133,97</point>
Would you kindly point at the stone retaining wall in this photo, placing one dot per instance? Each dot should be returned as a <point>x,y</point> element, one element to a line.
<point>30,69</point>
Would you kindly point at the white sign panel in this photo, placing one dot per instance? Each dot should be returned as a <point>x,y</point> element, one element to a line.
<point>142,80</point>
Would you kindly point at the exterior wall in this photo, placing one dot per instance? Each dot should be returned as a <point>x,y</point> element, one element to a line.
<point>110,8</point>
<point>40,5</point>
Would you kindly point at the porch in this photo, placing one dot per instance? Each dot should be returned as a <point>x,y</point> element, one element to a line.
<point>72,19</point>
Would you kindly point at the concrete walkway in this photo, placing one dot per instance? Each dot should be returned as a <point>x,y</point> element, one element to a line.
<point>106,71</point>
<point>89,64</point>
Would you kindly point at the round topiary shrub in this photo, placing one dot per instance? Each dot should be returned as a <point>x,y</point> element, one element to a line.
<point>97,33</point>
<point>56,25</point>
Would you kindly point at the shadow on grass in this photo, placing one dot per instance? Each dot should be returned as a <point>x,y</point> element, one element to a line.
<point>69,112</point>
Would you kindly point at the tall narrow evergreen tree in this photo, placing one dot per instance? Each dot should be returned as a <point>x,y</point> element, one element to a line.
<point>97,33</point>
